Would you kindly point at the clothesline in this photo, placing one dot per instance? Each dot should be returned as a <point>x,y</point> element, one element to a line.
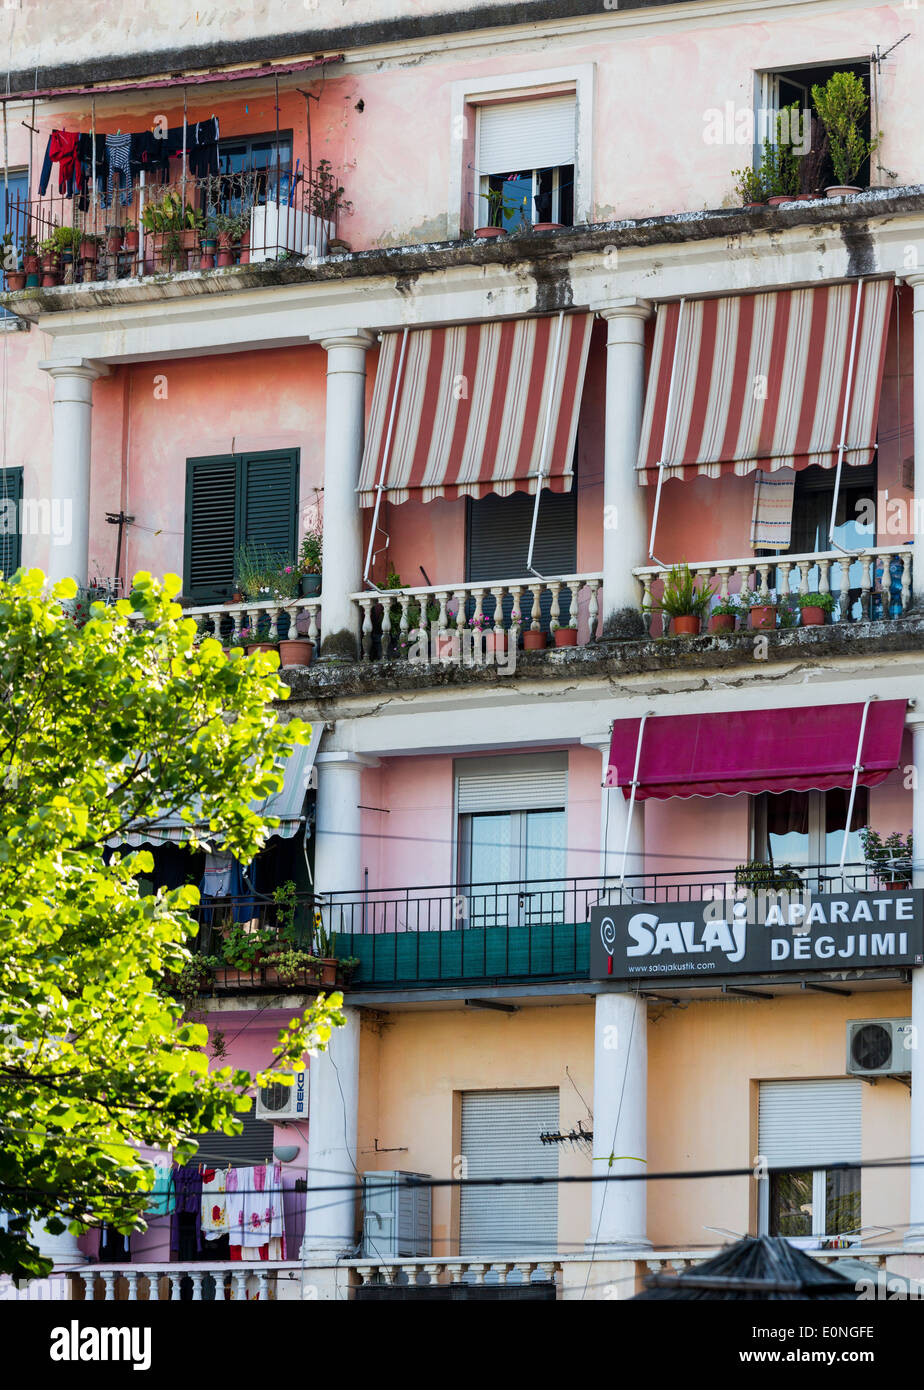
<point>244,1204</point>
<point>80,156</point>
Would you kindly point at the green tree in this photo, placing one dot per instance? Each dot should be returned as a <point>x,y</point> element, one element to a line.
<point>104,726</point>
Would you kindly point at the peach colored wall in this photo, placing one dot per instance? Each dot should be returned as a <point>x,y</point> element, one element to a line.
<point>413,1066</point>
<point>412,839</point>
<point>703,1059</point>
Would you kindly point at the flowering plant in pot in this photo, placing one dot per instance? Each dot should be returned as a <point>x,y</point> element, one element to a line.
<point>842,103</point>
<point>311,561</point>
<point>564,636</point>
<point>682,602</point>
<point>724,615</point>
<point>763,612</point>
<point>890,859</point>
<point>815,608</point>
<point>258,639</point>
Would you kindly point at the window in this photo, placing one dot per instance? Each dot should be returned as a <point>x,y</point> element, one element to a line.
<point>813,499</point>
<point>776,90</point>
<point>10,527</point>
<point>231,501</point>
<point>252,168</point>
<point>815,1123</point>
<point>806,829</point>
<point>14,191</point>
<point>512,831</point>
<point>525,154</point>
<point>500,1138</point>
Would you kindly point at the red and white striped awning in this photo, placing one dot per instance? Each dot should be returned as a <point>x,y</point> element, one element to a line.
<point>471,409</point>
<point>760,381</point>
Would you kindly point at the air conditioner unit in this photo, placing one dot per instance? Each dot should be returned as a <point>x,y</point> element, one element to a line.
<point>879,1046</point>
<point>396,1218</point>
<point>280,1103</point>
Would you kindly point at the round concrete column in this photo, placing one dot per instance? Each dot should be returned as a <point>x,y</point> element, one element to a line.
<point>333,1107</point>
<point>68,507</point>
<point>618,1220</point>
<point>625,515</point>
<point>338,824</point>
<point>343,528</point>
<point>917,571</point>
<point>914,1237</point>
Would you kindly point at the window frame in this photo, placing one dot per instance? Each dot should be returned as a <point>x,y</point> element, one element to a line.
<point>466,95</point>
<point>819,1234</point>
<point>817,853</point>
<point>767,95</point>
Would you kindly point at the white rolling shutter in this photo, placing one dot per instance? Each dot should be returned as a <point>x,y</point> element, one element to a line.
<point>810,1123</point>
<point>500,1138</point>
<point>520,135</point>
<point>512,784</point>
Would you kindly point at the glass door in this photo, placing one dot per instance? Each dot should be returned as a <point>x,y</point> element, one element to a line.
<point>513,863</point>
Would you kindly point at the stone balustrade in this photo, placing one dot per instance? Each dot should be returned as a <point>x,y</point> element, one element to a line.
<point>420,1273</point>
<point>163,1282</point>
<point>227,620</point>
<point>501,612</point>
<point>763,575</point>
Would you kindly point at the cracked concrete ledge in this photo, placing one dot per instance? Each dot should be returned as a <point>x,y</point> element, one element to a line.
<point>612,660</point>
<point>401,261</point>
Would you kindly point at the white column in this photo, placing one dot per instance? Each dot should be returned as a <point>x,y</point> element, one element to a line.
<point>338,824</point>
<point>625,516</point>
<point>914,1236</point>
<point>917,561</point>
<point>343,527</point>
<point>69,499</point>
<point>618,1212</point>
<point>333,1107</point>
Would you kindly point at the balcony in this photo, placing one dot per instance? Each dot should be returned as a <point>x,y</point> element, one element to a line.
<point>191,225</point>
<point>199,1281</point>
<point>869,584</point>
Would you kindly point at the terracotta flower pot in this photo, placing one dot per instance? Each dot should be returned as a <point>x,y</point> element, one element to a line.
<point>490,233</point>
<point>224,258</point>
<point>189,239</point>
<point>763,616</point>
<point>722,622</point>
<point>296,652</point>
<point>812,616</point>
<point>495,641</point>
<point>114,240</point>
<point>49,260</point>
<point>206,261</point>
<point>780,198</point>
<point>547,226</point>
<point>31,265</point>
<point>245,247</point>
<point>897,885</point>
<point>566,637</point>
<point>224,241</point>
<point>841,190</point>
<point>259,647</point>
<point>534,641</point>
<point>447,645</point>
<point>130,242</point>
<point>687,625</point>
<point>16,279</point>
<point>755,205</point>
<point>89,250</point>
<point>328,973</point>
<point>50,278</point>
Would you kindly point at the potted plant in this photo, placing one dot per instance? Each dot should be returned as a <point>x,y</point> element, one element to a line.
<point>245,236</point>
<point>290,966</point>
<point>130,236</point>
<point>890,859</point>
<point>724,615</point>
<point>779,167</point>
<point>756,877</point>
<point>49,250</point>
<point>749,187</point>
<point>564,636</point>
<point>31,260</point>
<point>243,950</point>
<point>534,639</point>
<point>208,244</point>
<point>16,280</point>
<point>498,204</point>
<point>324,947</point>
<point>311,561</point>
<point>682,602</point>
<point>172,229</point>
<point>229,232</point>
<point>814,608</point>
<point>325,202</point>
<point>763,613</point>
<point>114,235</point>
<point>842,103</point>
<point>89,246</point>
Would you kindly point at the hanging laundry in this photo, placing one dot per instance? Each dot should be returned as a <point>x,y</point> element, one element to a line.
<point>262,1206</point>
<point>202,148</point>
<point>216,881</point>
<point>62,150</point>
<point>118,148</point>
<point>187,1180</point>
<point>163,1196</point>
<point>85,155</point>
<point>151,150</point>
<point>214,1203</point>
<point>113,1246</point>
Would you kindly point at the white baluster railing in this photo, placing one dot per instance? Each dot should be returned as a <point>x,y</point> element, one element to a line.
<point>400,619</point>
<point>751,579</point>
<point>419,1273</point>
<point>227,621</point>
<point>142,1281</point>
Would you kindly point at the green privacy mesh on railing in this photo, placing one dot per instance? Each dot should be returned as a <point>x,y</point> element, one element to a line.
<point>471,953</point>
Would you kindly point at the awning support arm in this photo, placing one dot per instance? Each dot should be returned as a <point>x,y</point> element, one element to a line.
<point>625,843</point>
<point>546,427</point>
<point>832,543</point>
<point>380,486</point>
<point>857,769</point>
<point>667,425</point>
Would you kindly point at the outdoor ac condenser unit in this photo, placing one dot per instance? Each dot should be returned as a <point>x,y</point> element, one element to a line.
<point>280,1103</point>
<point>396,1218</point>
<point>879,1046</point>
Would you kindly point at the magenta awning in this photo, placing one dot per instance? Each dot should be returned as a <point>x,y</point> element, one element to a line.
<point>764,750</point>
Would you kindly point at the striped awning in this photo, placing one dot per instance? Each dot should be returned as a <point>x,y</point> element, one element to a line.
<point>760,381</point>
<point>286,804</point>
<point>470,406</point>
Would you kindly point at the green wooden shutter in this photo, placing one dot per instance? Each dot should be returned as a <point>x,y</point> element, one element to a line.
<point>269,500</point>
<point>211,528</point>
<point>10,531</point>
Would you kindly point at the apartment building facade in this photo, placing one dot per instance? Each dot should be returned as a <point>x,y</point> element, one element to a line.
<point>482,305</point>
